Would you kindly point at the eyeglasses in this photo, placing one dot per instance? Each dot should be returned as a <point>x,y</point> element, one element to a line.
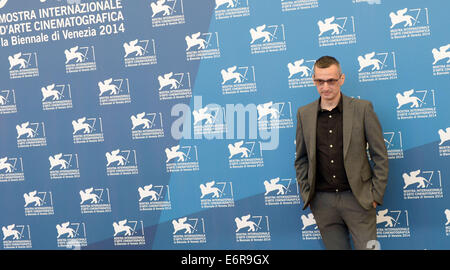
<point>331,82</point>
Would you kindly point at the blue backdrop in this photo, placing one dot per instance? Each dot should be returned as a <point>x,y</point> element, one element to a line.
<point>170,124</point>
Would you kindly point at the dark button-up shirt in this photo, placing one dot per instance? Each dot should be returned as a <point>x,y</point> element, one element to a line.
<point>330,169</point>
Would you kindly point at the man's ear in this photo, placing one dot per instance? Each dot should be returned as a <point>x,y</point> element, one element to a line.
<point>342,79</point>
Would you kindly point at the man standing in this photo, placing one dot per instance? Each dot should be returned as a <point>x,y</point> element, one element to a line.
<point>332,167</point>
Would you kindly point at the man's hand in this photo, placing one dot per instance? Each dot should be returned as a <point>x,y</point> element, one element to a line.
<point>374,204</point>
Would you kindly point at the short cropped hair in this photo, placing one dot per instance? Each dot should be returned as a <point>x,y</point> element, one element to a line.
<point>327,61</point>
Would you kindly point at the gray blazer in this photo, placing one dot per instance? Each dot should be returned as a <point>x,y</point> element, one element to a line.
<point>360,127</point>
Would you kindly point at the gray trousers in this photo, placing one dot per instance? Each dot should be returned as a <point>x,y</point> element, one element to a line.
<point>339,215</point>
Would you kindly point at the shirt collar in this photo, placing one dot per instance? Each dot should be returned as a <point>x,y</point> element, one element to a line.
<point>339,106</point>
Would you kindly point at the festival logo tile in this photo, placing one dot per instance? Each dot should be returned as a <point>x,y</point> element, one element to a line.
<point>245,154</point>
<point>167,12</point>
<point>422,184</point>
<point>393,224</point>
<point>87,130</point>
<point>80,59</point>
<point>251,228</point>
<point>336,31</point>
<point>31,134</point>
<point>409,23</point>
<point>238,79</point>
<point>300,73</point>
<point>310,230</point>
<point>71,234</point>
<point>56,97</point>
<point>377,66</point>
<point>8,101</point>
<point>38,203</point>
<point>272,115</point>
<point>16,236</point>
<point>174,85</point>
<point>64,166</point>
<point>11,169</point>
<point>394,144</point>
<point>140,53</point>
<point>121,162</point>
<point>292,5</point>
<point>228,9</point>
<point>147,126</point>
<point>444,146</point>
<point>189,230</point>
<point>114,91</point>
<point>182,158</point>
<point>281,191</point>
<point>416,104</point>
<point>209,120</point>
<point>268,38</point>
<point>154,198</point>
<point>441,60</point>
<point>200,46</point>
<point>23,65</point>
<point>447,222</point>
<point>216,194</point>
<point>129,233</point>
<point>95,200</point>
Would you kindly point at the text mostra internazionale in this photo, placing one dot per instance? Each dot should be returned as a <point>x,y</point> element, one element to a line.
<point>52,18</point>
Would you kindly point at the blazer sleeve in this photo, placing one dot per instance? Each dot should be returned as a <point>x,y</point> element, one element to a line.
<point>378,153</point>
<point>301,157</point>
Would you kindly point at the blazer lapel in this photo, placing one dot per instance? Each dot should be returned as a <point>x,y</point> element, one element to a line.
<point>347,120</point>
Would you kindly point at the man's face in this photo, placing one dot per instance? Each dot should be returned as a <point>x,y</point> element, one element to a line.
<point>328,82</point>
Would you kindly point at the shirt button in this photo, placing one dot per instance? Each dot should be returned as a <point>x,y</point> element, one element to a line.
<point>330,116</point>
<point>334,176</point>
<point>332,161</point>
<point>331,146</point>
<point>331,131</point>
